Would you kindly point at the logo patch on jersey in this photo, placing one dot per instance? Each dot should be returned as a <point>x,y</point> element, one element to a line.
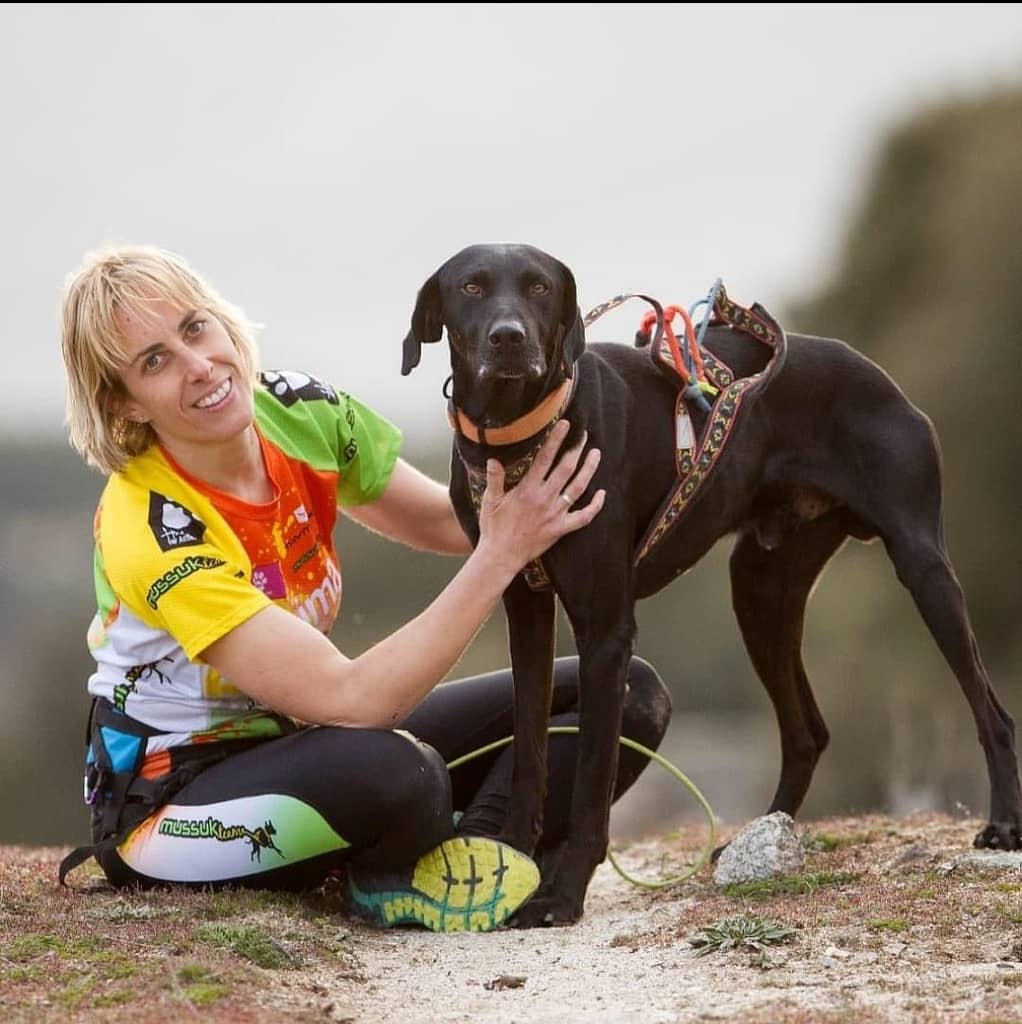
<point>173,525</point>
<point>289,387</point>
<point>270,580</point>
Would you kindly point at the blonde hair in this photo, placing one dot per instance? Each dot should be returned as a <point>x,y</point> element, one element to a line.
<point>129,278</point>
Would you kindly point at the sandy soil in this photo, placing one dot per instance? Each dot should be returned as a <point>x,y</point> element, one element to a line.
<point>921,934</point>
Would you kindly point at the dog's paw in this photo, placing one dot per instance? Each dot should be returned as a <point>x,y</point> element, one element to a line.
<point>544,912</point>
<point>999,836</point>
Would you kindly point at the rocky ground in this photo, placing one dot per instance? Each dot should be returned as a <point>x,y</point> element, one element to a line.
<point>890,920</point>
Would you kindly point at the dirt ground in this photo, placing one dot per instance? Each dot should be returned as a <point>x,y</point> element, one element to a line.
<point>892,921</point>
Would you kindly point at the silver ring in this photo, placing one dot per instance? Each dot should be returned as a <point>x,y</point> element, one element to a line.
<point>566,499</point>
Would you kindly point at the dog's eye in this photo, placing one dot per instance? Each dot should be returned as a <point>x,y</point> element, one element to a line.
<point>539,288</point>
<point>471,288</point>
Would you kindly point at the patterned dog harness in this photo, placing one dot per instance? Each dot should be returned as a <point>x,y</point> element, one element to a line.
<point>699,374</point>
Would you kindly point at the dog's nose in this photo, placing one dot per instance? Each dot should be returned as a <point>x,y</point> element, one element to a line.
<point>507,335</point>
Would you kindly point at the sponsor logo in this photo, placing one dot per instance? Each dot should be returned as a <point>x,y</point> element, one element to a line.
<point>171,578</point>
<point>290,542</point>
<point>304,558</point>
<point>301,515</point>
<point>289,387</point>
<point>173,525</point>
<point>321,605</point>
<point>150,671</point>
<point>212,828</point>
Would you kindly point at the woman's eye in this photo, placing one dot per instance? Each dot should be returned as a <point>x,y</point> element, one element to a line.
<point>471,289</point>
<point>539,288</point>
<point>152,362</point>
<point>195,328</point>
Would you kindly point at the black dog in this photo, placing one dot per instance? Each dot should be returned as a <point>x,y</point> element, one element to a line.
<point>830,449</point>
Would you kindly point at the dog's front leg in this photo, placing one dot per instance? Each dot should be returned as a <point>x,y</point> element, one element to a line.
<point>604,654</point>
<point>531,625</point>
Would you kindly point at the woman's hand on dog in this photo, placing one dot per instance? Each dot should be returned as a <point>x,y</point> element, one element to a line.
<point>520,524</point>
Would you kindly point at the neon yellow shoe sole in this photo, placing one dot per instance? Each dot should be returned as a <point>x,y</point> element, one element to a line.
<point>467,884</point>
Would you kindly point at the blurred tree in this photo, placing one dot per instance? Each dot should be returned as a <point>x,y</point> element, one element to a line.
<point>929,286</point>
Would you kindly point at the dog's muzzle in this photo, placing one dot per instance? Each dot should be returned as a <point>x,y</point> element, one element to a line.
<point>509,354</point>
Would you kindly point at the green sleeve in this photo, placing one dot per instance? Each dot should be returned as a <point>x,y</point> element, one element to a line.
<point>330,431</point>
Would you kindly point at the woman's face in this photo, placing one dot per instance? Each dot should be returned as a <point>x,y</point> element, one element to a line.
<point>183,376</point>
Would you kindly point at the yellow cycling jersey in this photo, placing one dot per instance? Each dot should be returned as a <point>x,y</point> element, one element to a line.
<point>179,564</point>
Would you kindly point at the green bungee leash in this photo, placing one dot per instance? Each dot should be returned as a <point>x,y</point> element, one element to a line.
<point>653,756</point>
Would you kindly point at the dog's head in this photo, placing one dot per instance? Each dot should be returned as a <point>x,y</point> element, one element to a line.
<point>512,321</point>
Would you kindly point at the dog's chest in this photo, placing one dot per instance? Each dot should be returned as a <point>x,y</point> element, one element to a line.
<point>535,574</point>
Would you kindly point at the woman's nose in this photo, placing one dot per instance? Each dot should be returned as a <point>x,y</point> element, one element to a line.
<point>199,366</point>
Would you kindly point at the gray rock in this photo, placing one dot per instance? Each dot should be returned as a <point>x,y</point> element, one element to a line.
<point>993,859</point>
<point>765,848</point>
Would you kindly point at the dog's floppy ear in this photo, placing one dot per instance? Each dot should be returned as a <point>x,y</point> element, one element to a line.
<point>571,320</point>
<point>427,324</point>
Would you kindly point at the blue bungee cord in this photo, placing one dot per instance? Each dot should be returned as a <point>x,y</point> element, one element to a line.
<point>693,391</point>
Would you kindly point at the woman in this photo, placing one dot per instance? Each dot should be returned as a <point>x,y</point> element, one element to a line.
<point>230,741</point>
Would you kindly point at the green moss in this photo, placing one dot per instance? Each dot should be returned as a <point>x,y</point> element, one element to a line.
<point>120,970</point>
<point>114,998</point>
<point>888,924</point>
<point>17,974</point>
<point>191,973</point>
<point>205,993</point>
<point>28,947</point>
<point>240,902</point>
<point>250,943</point>
<point>76,991</point>
<point>789,885</point>
<point>1013,914</point>
<point>823,842</point>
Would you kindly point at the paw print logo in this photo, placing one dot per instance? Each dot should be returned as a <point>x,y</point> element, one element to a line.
<point>270,580</point>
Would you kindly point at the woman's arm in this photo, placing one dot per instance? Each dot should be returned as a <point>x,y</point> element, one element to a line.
<point>416,511</point>
<point>287,665</point>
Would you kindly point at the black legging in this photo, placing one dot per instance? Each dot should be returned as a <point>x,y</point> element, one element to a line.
<point>283,814</point>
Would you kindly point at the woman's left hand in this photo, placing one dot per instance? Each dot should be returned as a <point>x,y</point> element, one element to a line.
<point>520,524</point>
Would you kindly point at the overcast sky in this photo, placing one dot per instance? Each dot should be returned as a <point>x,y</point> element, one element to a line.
<point>317,163</point>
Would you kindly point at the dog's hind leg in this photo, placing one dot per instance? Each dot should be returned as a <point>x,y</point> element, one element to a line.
<point>922,565</point>
<point>770,589</point>
<point>902,499</point>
